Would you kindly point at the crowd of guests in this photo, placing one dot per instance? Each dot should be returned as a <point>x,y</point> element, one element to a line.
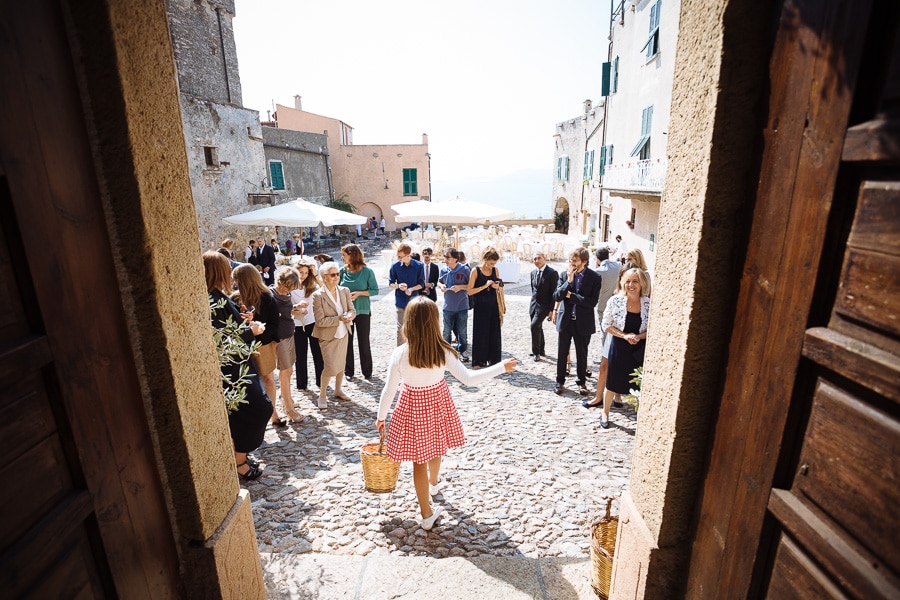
<point>318,307</point>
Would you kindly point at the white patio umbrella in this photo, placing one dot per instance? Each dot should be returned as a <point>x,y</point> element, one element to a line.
<point>454,212</point>
<point>296,213</point>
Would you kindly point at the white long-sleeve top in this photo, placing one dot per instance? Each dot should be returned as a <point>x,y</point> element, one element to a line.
<point>400,369</point>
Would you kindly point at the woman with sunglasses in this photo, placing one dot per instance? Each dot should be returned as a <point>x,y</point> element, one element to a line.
<point>334,313</point>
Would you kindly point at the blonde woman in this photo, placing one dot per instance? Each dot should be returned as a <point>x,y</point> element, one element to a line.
<point>425,423</point>
<point>625,318</point>
<point>636,258</point>
<point>287,279</point>
<point>334,315</point>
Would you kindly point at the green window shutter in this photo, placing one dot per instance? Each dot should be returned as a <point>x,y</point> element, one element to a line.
<point>559,167</point>
<point>565,168</point>
<point>609,154</point>
<point>584,168</point>
<point>605,82</point>
<point>602,161</point>
<point>410,182</point>
<point>614,84</point>
<point>276,175</point>
<point>646,120</point>
<point>591,168</point>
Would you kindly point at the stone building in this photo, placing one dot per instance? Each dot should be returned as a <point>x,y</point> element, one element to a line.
<point>371,177</point>
<point>579,161</point>
<point>224,140</point>
<point>637,87</point>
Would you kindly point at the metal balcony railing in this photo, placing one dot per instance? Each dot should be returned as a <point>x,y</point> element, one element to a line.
<point>643,175</point>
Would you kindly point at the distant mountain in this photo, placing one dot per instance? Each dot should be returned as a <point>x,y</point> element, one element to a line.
<point>527,192</point>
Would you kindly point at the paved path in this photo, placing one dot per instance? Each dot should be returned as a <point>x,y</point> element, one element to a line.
<point>517,503</point>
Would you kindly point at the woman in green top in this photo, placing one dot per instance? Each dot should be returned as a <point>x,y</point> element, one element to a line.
<point>360,280</point>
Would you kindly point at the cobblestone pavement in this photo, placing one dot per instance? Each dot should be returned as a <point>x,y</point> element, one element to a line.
<point>534,472</point>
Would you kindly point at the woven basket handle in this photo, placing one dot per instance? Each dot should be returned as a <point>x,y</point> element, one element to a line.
<point>381,449</point>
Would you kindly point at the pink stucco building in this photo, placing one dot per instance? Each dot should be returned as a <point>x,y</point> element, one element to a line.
<point>373,177</point>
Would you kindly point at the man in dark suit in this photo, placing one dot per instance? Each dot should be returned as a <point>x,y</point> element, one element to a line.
<point>431,275</point>
<point>265,261</point>
<point>577,296</point>
<point>543,283</point>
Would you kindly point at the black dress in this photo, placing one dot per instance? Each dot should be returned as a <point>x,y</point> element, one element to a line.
<point>625,358</point>
<point>486,342</point>
<point>248,422</point>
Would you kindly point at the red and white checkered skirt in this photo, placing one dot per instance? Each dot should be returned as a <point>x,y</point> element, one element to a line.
<point>424,425</point>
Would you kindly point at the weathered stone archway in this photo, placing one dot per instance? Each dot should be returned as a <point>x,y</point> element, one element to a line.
<point>561,212</point>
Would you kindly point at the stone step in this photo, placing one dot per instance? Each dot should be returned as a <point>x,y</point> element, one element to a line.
<point>381,575</point>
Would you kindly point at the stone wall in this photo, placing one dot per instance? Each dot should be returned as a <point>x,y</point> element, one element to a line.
<point>221,191</point>
<point>205,52</point>
<point>304,157</point>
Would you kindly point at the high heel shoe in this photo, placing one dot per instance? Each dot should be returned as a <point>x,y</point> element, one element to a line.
<point>295,416</point>
<point>251,474</point>
<point>279,422</point>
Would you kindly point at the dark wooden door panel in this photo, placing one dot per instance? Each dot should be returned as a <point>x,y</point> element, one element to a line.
<point>796,576</point>
<point>849,469</point>
<point>84,509</point>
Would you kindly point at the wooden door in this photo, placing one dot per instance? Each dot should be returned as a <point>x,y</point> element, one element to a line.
<point>801,494</point>
<point>84,514</point>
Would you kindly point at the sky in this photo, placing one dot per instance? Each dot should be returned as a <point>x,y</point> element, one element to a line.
<point>487,80</point>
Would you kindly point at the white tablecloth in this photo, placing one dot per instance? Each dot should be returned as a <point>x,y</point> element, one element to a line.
<point>509,270</point>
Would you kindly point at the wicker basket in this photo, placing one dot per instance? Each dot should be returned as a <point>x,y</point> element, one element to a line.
<point>379,471</point>
<point>603,545</point>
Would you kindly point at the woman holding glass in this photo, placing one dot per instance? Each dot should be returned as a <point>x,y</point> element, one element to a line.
<point>483,285</point>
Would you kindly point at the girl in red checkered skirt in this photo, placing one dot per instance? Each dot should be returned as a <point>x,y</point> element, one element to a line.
<point>425,423</point>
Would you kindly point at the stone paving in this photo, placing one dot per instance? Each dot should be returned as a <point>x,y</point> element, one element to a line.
<point>535,470</point>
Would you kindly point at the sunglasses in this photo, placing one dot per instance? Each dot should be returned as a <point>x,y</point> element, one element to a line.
<point>330,274</point>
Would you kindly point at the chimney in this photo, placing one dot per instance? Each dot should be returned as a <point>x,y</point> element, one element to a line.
<point>424,139</point>
<point>297,103</point>
<point>587,105</point>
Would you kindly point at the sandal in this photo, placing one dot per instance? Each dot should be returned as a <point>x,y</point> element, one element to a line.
<point>279,422</point>
<point>294,416</point>
<point>252,472</point>
<point>252,461</point>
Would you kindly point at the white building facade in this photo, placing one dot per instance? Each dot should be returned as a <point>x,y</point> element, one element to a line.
<point>576,177</point>
<point>637,86</point>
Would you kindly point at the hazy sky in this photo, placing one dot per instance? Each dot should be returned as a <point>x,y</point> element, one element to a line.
<point>487,80</point>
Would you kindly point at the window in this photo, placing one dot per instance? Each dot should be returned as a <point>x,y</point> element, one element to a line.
<point>276,174</point>
<point>562,168</point>
<point>410,182</point>
<point>211,155</point>
<point>642,148</point>
<point>652,45</point>
<point>588,170</point>
<point>606,153</point>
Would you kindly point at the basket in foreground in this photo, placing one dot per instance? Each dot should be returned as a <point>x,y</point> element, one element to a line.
<point>379,471</point>
<point>603,545</point>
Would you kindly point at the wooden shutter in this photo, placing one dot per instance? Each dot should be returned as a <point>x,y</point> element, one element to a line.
<point>606,79</point>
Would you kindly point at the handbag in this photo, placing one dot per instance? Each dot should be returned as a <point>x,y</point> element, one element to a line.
<point>501,301</point>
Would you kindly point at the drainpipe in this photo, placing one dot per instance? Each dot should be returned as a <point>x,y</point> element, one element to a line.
<point>609,57</point>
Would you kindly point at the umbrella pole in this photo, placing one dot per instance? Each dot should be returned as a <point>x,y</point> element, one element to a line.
<point>457,236</point>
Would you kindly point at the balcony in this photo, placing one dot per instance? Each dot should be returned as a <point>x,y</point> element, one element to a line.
<point>641,176</point>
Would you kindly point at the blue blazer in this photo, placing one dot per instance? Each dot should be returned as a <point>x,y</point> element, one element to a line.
<point>584,302</point>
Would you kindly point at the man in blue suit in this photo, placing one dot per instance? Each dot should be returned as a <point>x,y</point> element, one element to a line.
<point>576,295</point>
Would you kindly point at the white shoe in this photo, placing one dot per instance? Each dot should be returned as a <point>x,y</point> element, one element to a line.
<point>323,402</point>
<point>435,489</point>
<point>428,523</point>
